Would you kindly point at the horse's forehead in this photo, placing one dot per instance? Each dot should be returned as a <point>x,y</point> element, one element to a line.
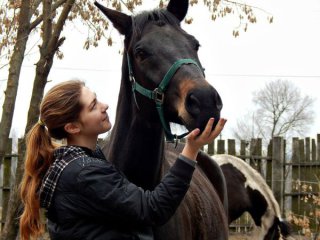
<point>154,29</point>
<point>158,37</point>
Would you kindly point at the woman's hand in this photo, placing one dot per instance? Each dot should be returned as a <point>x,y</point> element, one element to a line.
<point>194,141</point>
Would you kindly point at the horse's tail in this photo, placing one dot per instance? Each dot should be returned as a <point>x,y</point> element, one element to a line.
<point>285,229</point>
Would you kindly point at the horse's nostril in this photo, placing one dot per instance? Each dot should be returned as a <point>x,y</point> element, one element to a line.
<point>193,104</point>
<point>218,102</point>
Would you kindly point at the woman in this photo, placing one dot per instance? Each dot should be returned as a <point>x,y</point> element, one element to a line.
<point>83,194</point>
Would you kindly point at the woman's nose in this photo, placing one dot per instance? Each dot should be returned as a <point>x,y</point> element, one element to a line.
<point>105,106</point>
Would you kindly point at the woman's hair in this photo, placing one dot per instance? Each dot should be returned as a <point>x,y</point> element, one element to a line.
<point>61,105</point>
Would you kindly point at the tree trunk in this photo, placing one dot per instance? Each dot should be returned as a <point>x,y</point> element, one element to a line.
<point>14,74</point>
<point>10,228</point>
<point>50,45</point>
<point>24,29</point>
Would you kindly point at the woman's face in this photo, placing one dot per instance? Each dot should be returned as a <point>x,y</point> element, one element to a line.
<point>93,117</point>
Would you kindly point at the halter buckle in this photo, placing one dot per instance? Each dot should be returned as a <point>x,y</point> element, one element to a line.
<point>158,96</point>
<point>131,78</point>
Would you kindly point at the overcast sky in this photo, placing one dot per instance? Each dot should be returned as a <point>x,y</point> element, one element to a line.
<point>289,48</point>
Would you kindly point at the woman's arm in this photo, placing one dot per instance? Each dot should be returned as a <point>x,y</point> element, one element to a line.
<point>112,195</point>
<point>107,194</point>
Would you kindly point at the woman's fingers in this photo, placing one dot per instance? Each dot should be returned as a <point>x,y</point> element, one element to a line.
<point>207,131</point>
<point>195,140</point>
<point>194,133</point>
<point>208,134</point>
<point>217,130</point>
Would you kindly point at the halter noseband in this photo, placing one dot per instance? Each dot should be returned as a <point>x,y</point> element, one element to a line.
<point>157,95</point>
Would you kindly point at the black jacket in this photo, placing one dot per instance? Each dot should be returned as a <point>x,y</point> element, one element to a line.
<point>88,198</point>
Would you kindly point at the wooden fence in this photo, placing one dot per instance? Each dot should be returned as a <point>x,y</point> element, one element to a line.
<point>291,170</point>
<point>7,178</point>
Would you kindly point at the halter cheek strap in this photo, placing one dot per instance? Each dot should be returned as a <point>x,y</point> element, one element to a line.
<point>157,95</point>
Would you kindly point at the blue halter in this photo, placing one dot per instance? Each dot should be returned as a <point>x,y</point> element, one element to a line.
<point>157,95</point>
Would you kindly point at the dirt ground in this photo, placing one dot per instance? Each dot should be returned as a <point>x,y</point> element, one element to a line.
<point>246,236</point>
<point>233,236</point>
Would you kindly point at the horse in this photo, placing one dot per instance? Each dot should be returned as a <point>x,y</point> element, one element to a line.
<point>249,192</point>
<point>163,81</point>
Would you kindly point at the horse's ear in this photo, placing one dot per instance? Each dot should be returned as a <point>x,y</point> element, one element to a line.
<point>120,21</point>
<point>178,8</point>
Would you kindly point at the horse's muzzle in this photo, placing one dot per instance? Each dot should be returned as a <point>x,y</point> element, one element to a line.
<point>202,104</point>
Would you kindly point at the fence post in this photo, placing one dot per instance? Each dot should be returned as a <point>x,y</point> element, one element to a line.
<point>308,142</point>
<point>231,147</point>
<point>256,150</point>
<point>313,166</point>
<point>318,159</point>
<point>6,184</point>
<point>303,172</point>
<point>296,175</point>
<point>277,169</point>
<point>221,147</point>
<point>314,151</point>
<point>318,147</point>
<point>243,145</point>
<point>308,157</point>
<point>211,148</point>
<point>269,164</point>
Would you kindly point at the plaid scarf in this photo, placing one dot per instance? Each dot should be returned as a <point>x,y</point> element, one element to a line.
<point>63,156</point>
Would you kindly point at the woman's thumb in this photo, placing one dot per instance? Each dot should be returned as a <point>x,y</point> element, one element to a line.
<point>194,133</point>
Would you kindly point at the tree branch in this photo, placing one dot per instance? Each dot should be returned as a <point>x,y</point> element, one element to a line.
<point>244,4</point>
<point>53,44</point>
<point>55,6</point>
<point>47,25</point>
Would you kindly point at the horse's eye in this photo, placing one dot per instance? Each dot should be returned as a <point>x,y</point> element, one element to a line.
<point>140,54</point>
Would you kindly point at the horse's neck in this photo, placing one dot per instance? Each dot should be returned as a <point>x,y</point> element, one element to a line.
<point>136,146</point>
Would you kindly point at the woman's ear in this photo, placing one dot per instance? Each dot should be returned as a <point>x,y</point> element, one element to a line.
<point>72,128</point>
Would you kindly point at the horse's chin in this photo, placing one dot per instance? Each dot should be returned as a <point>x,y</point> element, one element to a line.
<point>192,124</point>
<point>189,125</point>
<point>178,128</point>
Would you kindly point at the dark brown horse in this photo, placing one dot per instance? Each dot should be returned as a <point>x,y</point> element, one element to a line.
<point>163,81</point>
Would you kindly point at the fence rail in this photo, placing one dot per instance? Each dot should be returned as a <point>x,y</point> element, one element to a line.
<point>291,170</point>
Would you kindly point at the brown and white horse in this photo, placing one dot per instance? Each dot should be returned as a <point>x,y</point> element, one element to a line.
<point>249,192</point>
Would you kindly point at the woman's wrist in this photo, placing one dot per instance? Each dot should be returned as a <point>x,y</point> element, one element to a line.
<point>189,152</point>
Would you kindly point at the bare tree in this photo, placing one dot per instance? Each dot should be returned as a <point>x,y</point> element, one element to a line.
<point>50,34</point>
<point>247,127</point>
<point>14,73</point>
<point>281,111</point>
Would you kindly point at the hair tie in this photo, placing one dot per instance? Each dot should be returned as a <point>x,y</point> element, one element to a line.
<point>41,123</point>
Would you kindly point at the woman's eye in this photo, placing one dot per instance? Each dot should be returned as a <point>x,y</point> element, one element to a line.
<point>94,105</point>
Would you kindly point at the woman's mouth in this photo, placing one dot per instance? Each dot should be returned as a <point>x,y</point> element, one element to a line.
<point>106,118</point>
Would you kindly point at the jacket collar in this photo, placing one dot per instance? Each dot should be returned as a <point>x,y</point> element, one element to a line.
<point>63,156</point>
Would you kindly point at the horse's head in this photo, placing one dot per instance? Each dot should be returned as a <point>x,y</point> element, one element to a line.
<point>156,46</point>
